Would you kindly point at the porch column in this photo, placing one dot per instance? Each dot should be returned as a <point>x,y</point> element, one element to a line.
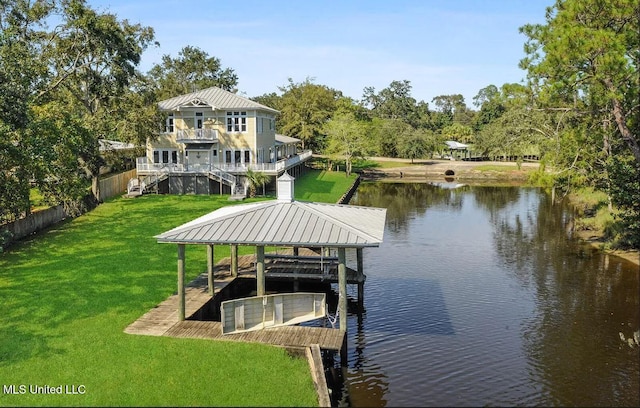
<point>342,286</point>
<point>234,260</point>
<point>181,305</point>
<point>260,270</point>
<point>210,269</point>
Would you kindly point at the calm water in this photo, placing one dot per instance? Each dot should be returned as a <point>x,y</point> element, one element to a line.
<point>477,297</point>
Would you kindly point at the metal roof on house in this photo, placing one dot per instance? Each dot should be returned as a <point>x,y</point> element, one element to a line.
<point>114,145</point>
<point>455,145</point>
<point>214,97</point>
<point>284,223</point>
<point>282,139</point>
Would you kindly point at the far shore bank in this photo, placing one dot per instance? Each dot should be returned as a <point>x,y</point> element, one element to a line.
<point>460,170</point>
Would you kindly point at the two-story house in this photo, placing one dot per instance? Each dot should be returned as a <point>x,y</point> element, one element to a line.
<point>211,138</point>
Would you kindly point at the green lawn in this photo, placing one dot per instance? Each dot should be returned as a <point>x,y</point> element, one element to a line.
<point>322,186</point>
<point>68,294</point>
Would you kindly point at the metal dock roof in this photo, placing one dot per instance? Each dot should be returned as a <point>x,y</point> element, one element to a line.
<point>280,222</point>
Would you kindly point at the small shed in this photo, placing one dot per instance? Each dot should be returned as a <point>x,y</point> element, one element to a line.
<point>281,222</point>
<point>457,146</point>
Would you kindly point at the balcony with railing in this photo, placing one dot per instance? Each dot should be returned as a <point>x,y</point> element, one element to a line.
<point>144,167</point>
<point>196,135</point>
<point>269,168</point>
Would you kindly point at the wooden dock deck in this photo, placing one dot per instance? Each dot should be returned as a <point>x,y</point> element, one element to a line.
<point>162,320</point>
<point>286,336</point>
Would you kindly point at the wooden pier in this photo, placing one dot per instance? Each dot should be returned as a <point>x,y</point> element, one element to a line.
<point>162,320</point>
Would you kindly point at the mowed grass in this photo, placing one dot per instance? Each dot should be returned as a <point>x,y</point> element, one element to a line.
<point>322,186</point>
<point>68,293</point>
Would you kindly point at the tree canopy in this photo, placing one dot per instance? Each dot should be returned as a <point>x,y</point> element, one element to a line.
<point>192,70</point>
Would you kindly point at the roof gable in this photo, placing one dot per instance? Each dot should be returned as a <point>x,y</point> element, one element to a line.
<point>213,97</point>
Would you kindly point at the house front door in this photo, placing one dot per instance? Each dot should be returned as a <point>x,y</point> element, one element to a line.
<point>199,160</point>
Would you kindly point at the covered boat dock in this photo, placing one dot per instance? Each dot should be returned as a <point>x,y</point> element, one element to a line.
<point>283,223</point>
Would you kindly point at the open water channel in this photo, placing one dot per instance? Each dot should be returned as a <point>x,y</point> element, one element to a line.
<point>480,297</point>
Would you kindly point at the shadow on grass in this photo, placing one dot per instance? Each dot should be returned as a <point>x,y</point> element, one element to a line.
<point>103,263</point>
<point>319,187</point>
<point>18,344</point>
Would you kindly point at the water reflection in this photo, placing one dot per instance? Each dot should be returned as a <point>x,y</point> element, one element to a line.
<point>477,297</point>
<point>406,201</point>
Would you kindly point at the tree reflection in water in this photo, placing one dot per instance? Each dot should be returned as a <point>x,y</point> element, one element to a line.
<point>572,304</point>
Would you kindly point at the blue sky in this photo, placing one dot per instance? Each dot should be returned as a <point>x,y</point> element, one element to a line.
<point>441,46</point>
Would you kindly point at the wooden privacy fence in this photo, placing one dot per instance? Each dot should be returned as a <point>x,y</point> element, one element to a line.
<point>116,185</point>
<point>39,220</point>
<point>34,222</point>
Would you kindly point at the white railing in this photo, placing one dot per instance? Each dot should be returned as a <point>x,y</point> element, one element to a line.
<point>197,134</point>
<point>144,167</point>
<point>278,166</point>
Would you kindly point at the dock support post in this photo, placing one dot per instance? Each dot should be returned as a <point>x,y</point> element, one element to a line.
<point>210,269</point>
<point>260,270</point>
<point>181,303</point>
<point>360,277</point>
<point>296,251</point>
<point>234,260</point>
<point>342,285</point>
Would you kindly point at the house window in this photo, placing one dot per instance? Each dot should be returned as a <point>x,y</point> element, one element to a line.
<point>247,156</point>
<point>259,125</point>
<point>169,124</point>
<point>236,121</point>
<point>163,156</point>
<point>227,156</point>
<point>236,155</point>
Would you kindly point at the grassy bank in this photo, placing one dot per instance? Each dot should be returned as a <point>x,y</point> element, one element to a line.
<point>322,186</point>
<point>595,223</point>
<point>68,294</point>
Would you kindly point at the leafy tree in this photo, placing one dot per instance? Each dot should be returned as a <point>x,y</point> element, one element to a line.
<point>192,70</point>
<point>23,76</point>
<point>584,60</point>
<point>413,145</point>
<point>385,134</point>
<point>94,65</point>
<point>458,132</point>
<point>346,138</point>
<point>305,108</point>
<point>272,100</point>
<point>512,134</point>
<point>491,106</point>
<point>588,50</point>
<point>394,102</point>
<point>485,95</point>
<point>451,108</point>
